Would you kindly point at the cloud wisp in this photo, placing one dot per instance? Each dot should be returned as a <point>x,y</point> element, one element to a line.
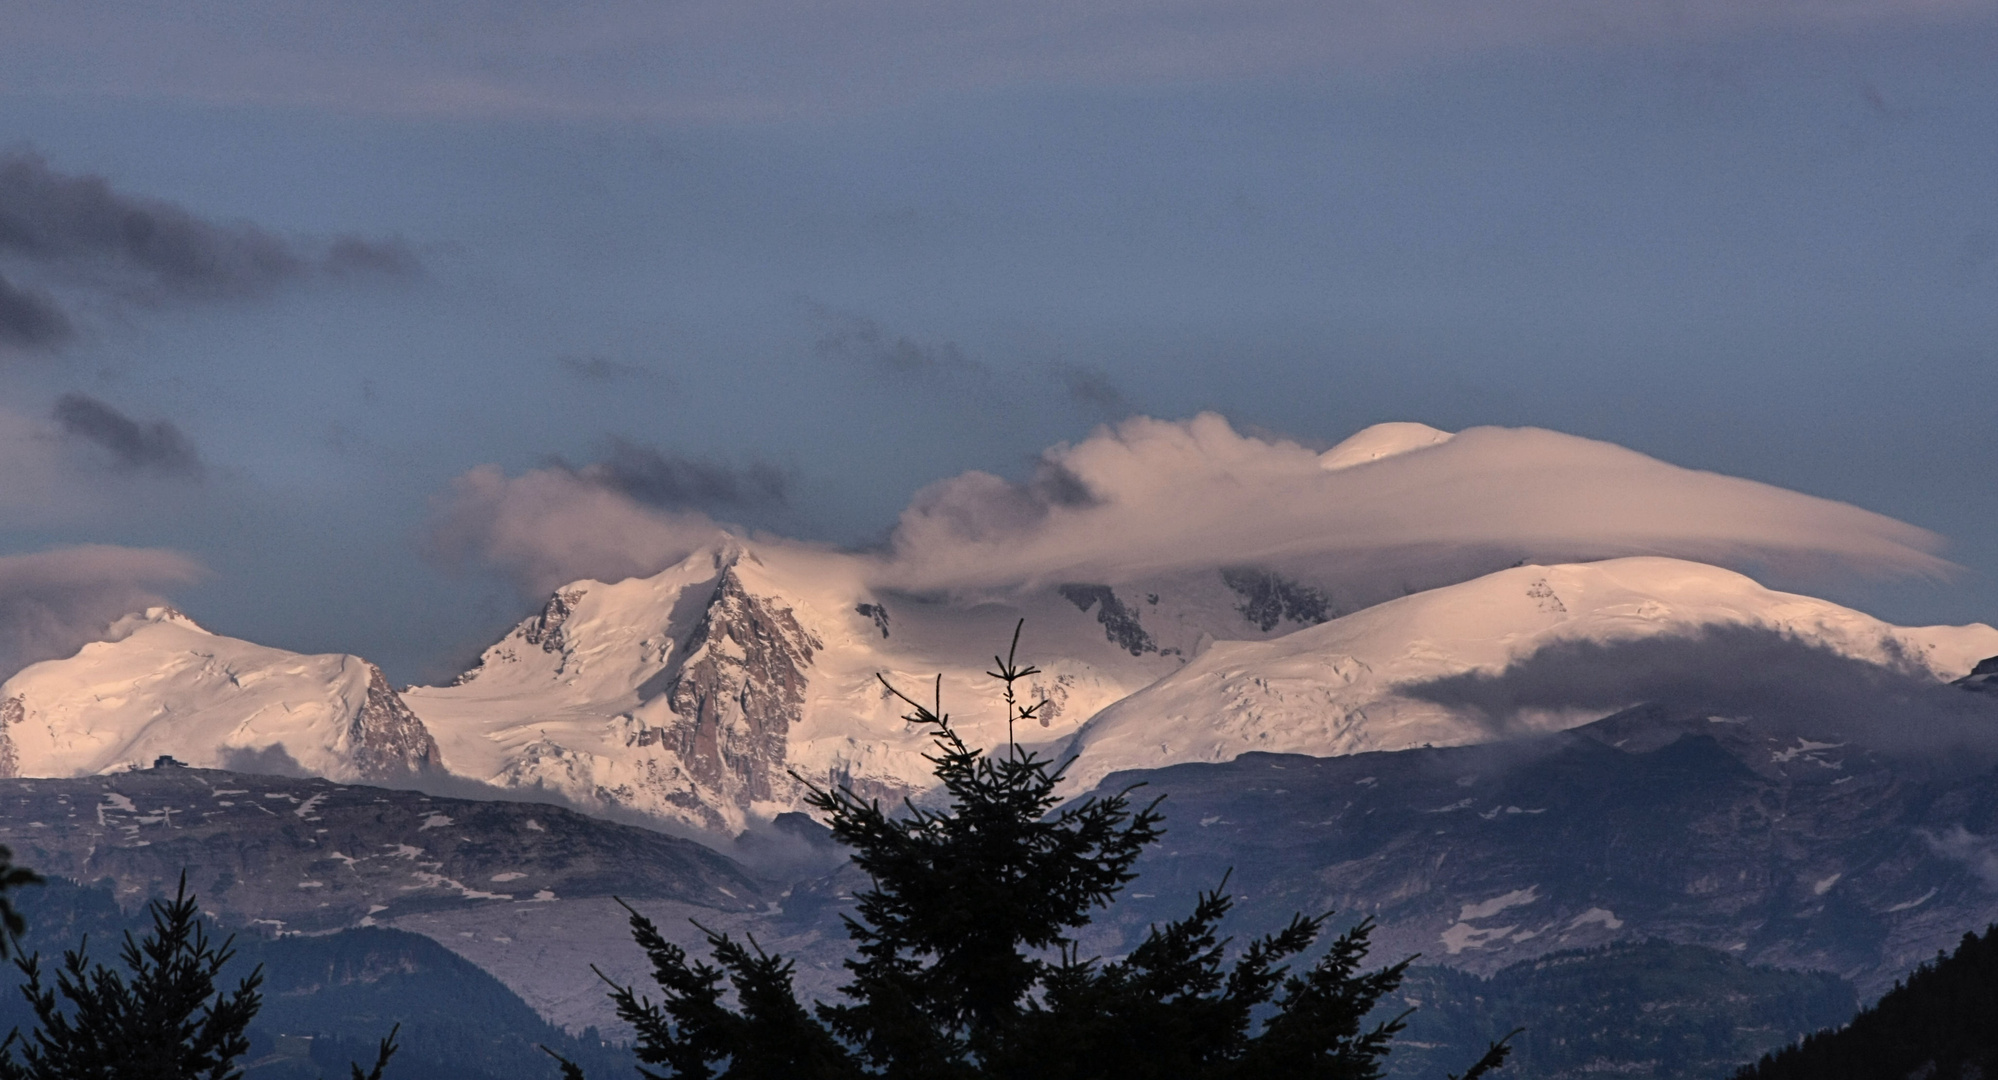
<point>52,602</point>
<point>1093,390</point>
<point>30,319</point>
<point>550,526</point>
<point>1396,509</point>
<point>133,446</point>
<point>713,59</point>
<point>863,342</point>
<point>673,482</point>
<point>600,369</point>
<point>77,232</point>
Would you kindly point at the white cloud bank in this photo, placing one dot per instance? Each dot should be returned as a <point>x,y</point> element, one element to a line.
<point>1396,508</point>
<point>1155,497</point>
<point>51,602</point>
<point>552,526</point>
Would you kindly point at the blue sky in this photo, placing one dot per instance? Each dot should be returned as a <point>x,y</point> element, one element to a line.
<point>802,260</point>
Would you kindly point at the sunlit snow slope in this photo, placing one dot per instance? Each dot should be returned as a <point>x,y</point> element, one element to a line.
<point>1334,688</point>
<point>161,685</point>
<point>696,693</point>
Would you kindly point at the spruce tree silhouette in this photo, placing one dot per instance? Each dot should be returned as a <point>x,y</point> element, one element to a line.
<point>12,877</point>
<point>967,964</point>
<point>164,1020</point>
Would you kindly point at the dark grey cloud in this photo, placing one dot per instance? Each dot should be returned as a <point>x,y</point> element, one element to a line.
<point>1770,678</point>
<point>29,318</point>
<point>859,340</point>
<point>51,602</point>
<point>51,217</point>
<point>353,255</point>
<point>158,447</point>
<point>672,482</point>
<point>80,231</point>
<point>1093,390</point>
<point>601,369</point>
<point>979,505</point>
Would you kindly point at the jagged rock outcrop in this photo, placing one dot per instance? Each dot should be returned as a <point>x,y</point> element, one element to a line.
<point>11,715</point>
<point>1269,598</point>
<point>1120,622</point>
<point>545,629</point>
<point>1983,677</point>
<point>739,691</point>
<point>386,741</point>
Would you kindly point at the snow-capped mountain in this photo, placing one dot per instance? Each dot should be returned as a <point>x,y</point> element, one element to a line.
<point>1337,688</point>
<point>713,692</point>
<point>698,692</point>
<point>161,685</point>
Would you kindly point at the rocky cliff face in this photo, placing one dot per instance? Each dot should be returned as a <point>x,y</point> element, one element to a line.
<point>385,740</point>
<point>738,693</point>
<point>1773,846</point>
<point>12,712</point>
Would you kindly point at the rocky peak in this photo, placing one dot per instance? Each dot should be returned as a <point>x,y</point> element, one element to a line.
<point>738,691</point>
<point>385,740</point>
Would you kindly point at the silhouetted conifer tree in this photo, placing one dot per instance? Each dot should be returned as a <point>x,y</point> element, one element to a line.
<point>967,965</point>
<point>12,877</point>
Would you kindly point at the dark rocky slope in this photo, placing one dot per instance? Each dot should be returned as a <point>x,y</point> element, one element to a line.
<point>310,855</point>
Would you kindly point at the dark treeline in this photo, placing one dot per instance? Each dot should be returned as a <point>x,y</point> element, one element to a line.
<point>1941,1023</point>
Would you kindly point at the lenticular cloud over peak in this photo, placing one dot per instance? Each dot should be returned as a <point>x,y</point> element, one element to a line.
<point>1392,510</point>
<point>1398,505</point>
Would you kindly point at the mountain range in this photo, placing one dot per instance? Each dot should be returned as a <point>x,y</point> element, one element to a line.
<point>711,694</point>
<point>1499,768</point>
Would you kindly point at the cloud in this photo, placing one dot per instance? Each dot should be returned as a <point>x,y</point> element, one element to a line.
<point>1783,683</point>
<point>1395,509</point>
<point>1093,390</point>
<point>601,369</point>
<point>1978,853</point>
<point>52,602</point>
<point>680,483</point>
<point>1152,497</point>
<point>158,447</point>
<point>80,232</point>
<point>550,526</point>
<point>859,340</point>
<point>39,481</point>
<point>358,257</point>
<point>735,58</point>
<point>49,217</point>
<point>29,318</point>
